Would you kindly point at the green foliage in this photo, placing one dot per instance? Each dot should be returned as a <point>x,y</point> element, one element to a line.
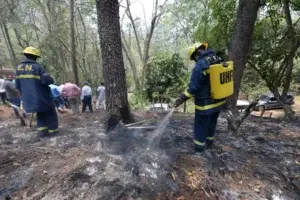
<point>220,24</point>
<point>185,17</point>
<point>252,85</point>
<point>138,100</point>
<point>165,78</point>
<point>44,24</point>
<point>296,75</point>
<point>270,46</point>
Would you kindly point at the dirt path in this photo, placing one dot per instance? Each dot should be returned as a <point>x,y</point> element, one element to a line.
<point>82,162</point>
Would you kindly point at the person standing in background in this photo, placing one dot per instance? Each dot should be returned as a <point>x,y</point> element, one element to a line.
<point>101,96</point>
<point>86,96</point>
<point>13,97</point>
<point>2,92</point>
<point>72,92</point>
<point>66,102</point>
<point>58,100</point>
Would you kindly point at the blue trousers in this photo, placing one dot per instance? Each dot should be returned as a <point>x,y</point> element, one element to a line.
<point>204,128</point>
<point>87,101</point>
<point>59,102</point>
<point>47,121</point>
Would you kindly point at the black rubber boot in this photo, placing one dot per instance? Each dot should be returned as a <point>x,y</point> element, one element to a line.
<point>209,144</point>
<point>43,134</point>
<point>199,149</point>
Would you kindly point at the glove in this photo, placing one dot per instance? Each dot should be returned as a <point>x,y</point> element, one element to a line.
<point>47,79</point>
<point>180,101</point>
<point>21,106</point>
<point>177,102</point>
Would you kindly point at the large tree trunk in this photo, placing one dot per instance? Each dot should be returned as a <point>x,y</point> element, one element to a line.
<point>73,47</point>
<point>241,43</point>
<point>113,64</point>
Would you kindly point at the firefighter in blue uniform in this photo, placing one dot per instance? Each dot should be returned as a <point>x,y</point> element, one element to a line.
<point>206,109</point>
<point>33,83</point>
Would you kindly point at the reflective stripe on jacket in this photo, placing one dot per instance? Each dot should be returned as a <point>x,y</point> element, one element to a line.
<point>33,83</point>
<point>199,85</point>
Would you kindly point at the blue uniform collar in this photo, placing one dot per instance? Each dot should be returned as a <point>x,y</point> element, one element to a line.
<point>206,53</point>
<point>26,60</point>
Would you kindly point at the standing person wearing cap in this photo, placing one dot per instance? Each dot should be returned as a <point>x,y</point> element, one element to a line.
<point>206,109</point>
<point>86,96</point>
<point>33,83</point>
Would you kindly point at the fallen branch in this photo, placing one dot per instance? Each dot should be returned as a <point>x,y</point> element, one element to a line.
<point>141,122</point>
<point>205,192</point>
<point>142,127</point>
<point>235,118</point>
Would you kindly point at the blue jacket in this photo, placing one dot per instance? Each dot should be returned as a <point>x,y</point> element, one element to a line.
<point>199,85</point>
<point>54,90</point>
<point>33,83</point>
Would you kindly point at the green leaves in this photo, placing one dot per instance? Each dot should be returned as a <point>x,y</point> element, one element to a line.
<point>164,77</point>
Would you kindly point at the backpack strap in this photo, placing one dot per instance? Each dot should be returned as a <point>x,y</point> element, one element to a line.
<point>211,60</point>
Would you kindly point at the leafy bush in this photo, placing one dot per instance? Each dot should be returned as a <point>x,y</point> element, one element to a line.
<point>138,100</point>
<point>166,77</point>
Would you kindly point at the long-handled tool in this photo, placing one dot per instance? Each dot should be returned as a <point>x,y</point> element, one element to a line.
<point>31,119</point>
<point>141,122</point>
<point>21,114</point>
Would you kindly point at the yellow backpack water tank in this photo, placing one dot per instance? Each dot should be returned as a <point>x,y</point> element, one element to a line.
<point>221,80</point>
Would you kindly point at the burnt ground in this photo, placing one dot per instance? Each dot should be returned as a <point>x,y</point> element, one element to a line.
<point>82,162</point>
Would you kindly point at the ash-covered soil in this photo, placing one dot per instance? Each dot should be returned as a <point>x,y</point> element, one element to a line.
<point>82,162</point>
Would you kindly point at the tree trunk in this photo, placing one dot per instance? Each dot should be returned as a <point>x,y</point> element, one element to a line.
<point>184,107</point>
<point>240,46</point>
<point>73,47</point>
<point>84,40</point>
<point>113,64</point>
<point>133,68</point>
<point>241,41</point>
<point>293,43</point>
<point>9,43</point>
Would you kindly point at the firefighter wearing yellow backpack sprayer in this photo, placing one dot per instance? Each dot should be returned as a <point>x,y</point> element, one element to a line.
<point>210,83</point>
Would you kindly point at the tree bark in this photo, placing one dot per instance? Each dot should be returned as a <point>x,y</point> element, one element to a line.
<point>9,43</point>
<point>113,64</point>
<point>240,46</point>
<point>84,40</point>
<point>127,50</point>
<point>241,41</point>
<point>294,45</point>
<point>73,46</point>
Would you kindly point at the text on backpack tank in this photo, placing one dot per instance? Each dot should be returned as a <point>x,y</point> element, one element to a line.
<point>226,77</point>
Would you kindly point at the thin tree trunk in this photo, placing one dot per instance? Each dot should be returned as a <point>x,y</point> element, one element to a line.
<point>289,113</point>
<point>113,64</point>
<point>129,56</point>
<point>184,107</point>
<point>144,54</point>
<point>73,46</point>
<point>9,43</point>
<point>84,40</point>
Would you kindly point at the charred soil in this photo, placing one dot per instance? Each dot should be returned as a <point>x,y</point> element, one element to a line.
<point>82,162</point>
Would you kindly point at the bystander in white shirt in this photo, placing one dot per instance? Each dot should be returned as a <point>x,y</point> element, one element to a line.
<point>86,91</point>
